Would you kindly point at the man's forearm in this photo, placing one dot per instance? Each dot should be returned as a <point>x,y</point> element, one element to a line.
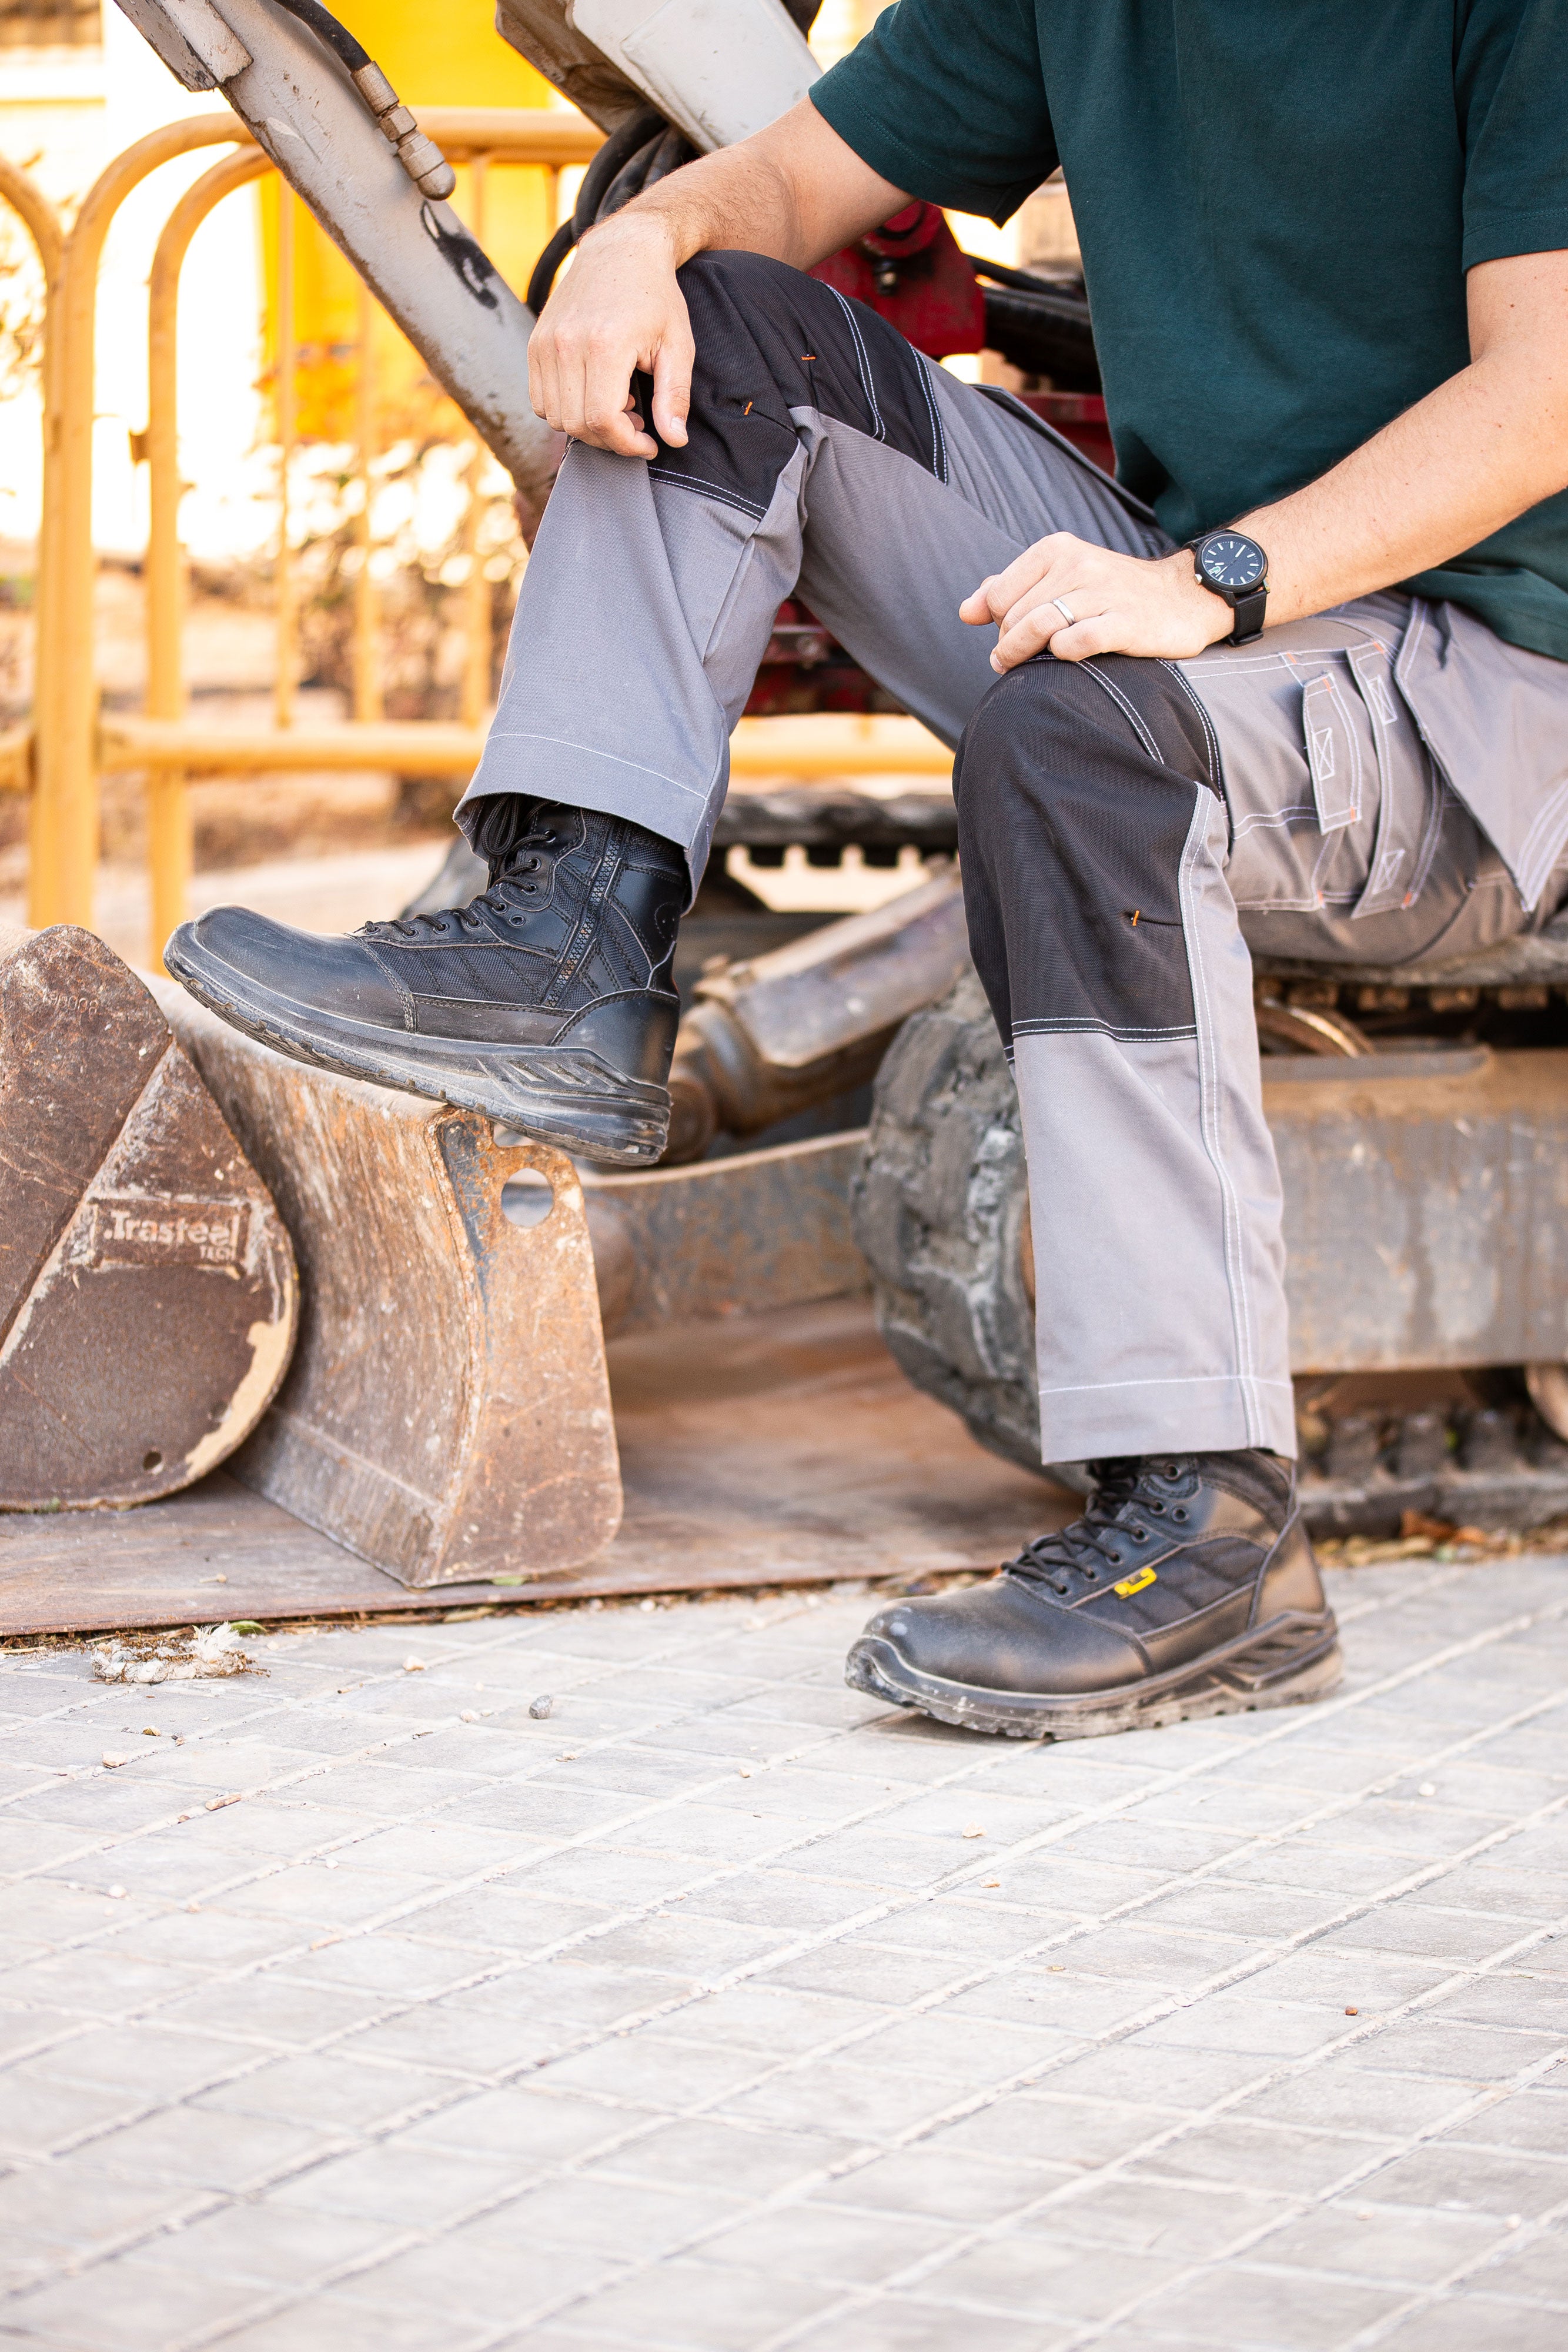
<point>1450,471</point>
<point>1481,449</point>
<point>794,192</point>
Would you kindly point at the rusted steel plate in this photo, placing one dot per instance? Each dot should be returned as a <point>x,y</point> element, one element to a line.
<point>760,1230</point>
<point>1426,1217</point>
<point>148,1292</point>
<point>447,1413</point>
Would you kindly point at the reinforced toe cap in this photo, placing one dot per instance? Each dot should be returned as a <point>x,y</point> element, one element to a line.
<point>256,956</point>
<point>1005,1636</point>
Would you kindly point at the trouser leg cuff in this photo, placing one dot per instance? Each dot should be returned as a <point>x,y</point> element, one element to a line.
<point>1179,1416</point>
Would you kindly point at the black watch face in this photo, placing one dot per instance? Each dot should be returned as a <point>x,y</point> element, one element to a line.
<point>1230,561</point>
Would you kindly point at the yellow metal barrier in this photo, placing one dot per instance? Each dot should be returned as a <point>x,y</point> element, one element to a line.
<point>60,758</point>
<point>169,831</point>
<point>804,746</point>
<point>42,223</point>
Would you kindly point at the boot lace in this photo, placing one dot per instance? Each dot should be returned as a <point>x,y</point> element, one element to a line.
<point>1114,1530</point>
<point>510,876</point>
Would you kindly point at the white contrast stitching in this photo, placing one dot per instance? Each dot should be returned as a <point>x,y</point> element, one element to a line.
<point>863,361</point>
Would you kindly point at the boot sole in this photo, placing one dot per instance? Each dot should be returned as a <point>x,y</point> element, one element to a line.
<point>1289,1663</point>
<point>573,1099</point>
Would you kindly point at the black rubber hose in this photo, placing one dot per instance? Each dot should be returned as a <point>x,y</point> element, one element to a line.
<point>545,266</point>
<point>653,161</point>
<point>674,149</point>
<point>631,179</point>
<point>326,29</point>
<point>617,150</point>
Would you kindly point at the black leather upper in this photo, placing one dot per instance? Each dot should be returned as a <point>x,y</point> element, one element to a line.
<point>575,935</point>
<point>1173,1557</point>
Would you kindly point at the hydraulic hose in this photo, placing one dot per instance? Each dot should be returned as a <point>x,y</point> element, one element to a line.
<point>545,266</point>
<point>618,149</point>
<point>644,149</point>
<point>421,158</point>
<point>326,29</point>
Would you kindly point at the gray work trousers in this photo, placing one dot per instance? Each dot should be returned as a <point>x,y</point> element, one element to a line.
<point>1130,829</point>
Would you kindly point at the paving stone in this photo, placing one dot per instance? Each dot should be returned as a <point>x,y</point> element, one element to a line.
<point>1465,2179</point>
<point>386,2183</point>
<point>1242,2307</point>
<point>128,2306</point>
<point>1532,2271</point>
<point>712,2153</point>
<point>706,2307</point>
<point>268,2244</point>
<point>1356,2238</point>
<point>1468,2322</point>
<point>209,2149</point>
<point>937,2182</point>
<point>1047,2277</point>
<point>1535,2118</point>
<point>896,2323</point>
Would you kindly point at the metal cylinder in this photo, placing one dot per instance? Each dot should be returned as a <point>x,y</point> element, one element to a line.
<point>771,1038</point>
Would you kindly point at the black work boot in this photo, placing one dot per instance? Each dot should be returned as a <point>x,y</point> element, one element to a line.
<point>546,1002</point>
<point>1188,1587</point>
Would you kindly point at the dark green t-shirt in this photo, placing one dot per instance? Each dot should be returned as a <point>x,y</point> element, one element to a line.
<point>1276,202</point>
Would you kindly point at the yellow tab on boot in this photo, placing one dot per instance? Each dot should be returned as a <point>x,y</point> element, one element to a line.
<point>1131,1584</point>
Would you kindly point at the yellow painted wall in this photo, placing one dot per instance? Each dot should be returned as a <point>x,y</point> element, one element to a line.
<point>449,56</point>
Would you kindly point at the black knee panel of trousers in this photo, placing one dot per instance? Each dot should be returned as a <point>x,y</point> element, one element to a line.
<point>1074,785</point>
<point>769,340</point>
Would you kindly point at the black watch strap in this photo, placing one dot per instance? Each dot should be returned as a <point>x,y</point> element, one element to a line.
<point>1249,613</point>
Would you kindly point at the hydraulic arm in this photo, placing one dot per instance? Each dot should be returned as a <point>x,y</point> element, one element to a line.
<point>332,123</point>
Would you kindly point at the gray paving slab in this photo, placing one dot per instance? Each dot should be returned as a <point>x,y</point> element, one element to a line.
<point>724,2011</point>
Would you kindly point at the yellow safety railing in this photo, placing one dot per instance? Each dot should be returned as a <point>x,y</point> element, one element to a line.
<point>42,223</point>
<point>60,758</point>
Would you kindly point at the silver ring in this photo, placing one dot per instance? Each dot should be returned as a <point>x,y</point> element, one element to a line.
<point>1065,610</point>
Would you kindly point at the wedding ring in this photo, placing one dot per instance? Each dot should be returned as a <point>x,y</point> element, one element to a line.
<point>1065,610</point>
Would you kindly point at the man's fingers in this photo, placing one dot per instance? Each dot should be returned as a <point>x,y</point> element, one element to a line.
<point>1028,638</point>
<point>544,387</point>
<point>672,366</point>
<point>1043,626</point>
<point>621,434</point>
<point>994,599</point>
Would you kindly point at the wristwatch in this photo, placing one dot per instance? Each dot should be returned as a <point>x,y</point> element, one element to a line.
<point>1235,567</point>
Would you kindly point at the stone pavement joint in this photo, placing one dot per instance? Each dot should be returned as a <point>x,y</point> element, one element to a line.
<point>695,2015</point>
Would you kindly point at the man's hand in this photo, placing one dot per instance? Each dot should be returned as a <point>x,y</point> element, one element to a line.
<point>617,311</point>
<point>1081,600</point>
<point>794,191</point>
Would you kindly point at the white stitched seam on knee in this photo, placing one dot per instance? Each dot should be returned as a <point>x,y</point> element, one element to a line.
<point>1128,711</point>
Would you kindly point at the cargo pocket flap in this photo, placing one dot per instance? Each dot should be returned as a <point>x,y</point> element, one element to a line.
<point>1333,754</point>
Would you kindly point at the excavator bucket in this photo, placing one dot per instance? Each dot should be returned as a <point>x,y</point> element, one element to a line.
<point>447,1413</point>
<point>148,1295</point>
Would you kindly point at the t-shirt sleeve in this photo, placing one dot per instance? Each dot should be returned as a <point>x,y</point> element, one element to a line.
<point>947,100</point>
<point>1512,82</point>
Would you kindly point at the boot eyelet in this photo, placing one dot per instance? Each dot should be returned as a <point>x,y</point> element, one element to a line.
<point>1157,1508</point>
<point>1140,1535</point>
<point>1178,1513</point>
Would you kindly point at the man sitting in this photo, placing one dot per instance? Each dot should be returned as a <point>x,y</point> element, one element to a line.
<point>1295,677</point>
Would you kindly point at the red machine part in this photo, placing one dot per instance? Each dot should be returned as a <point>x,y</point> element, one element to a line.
<point>911,273</point>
